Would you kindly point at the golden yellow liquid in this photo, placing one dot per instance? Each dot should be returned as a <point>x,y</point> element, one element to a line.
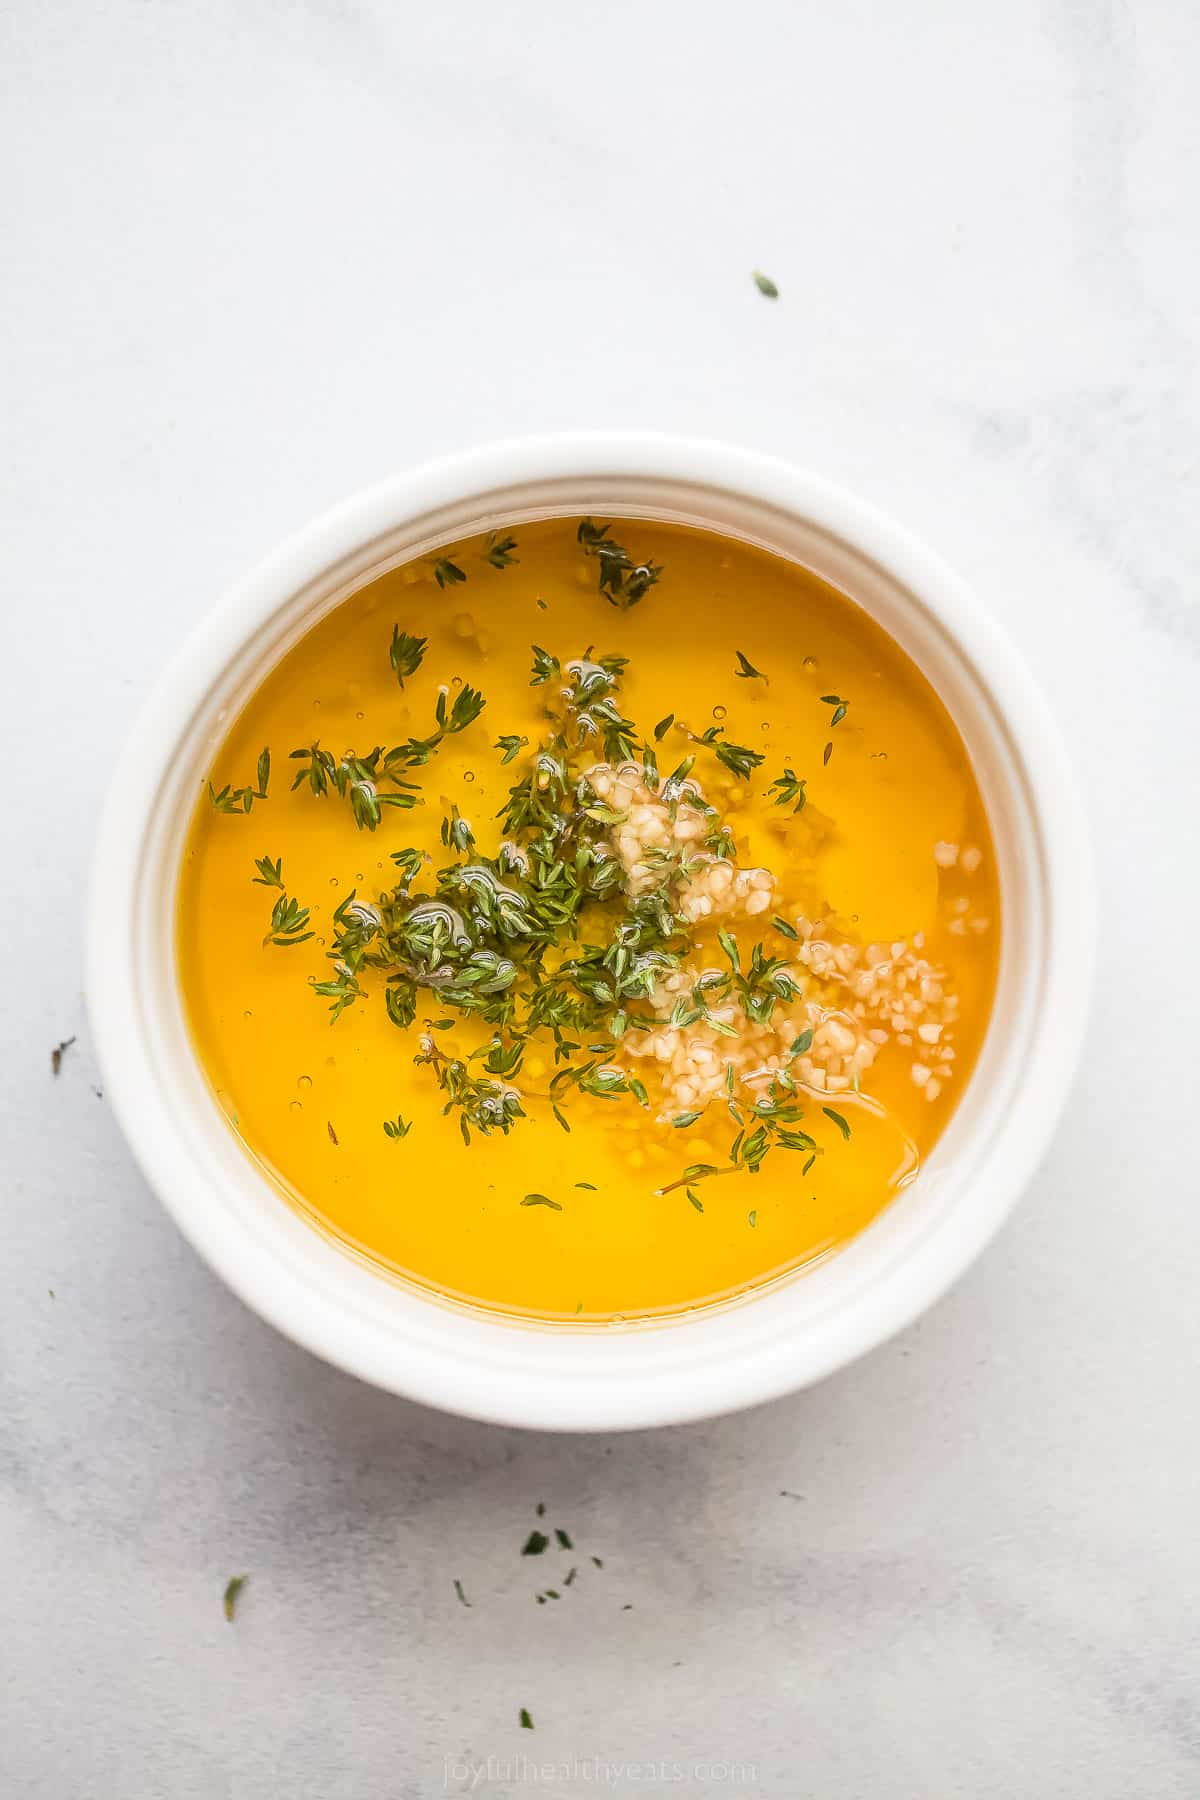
<point>447,1215</point>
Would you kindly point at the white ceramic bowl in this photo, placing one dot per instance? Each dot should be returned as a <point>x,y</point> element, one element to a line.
<point>582,1378</point>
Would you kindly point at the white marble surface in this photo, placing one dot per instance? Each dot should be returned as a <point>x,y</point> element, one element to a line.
<point>259,253</point>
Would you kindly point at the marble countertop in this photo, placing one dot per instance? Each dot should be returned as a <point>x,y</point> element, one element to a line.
<point>259,254</point>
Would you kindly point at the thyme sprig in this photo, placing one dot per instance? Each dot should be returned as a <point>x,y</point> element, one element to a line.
<point>622,582</point>
<point>288,923</point>
<point>232,800</point>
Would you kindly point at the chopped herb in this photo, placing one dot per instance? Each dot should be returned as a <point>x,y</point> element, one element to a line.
<point>406,653</point>
<point>270,874</point>
<point>570,1575</point>
<point>458,1588</point>
<point>826,754</point>
<point>447,573</point>
<point>590,1186</point>
<point>233,1588</point>
<point>233,800</point>
<point>540,1509</point>
<point>333,1136</point>
<point>746,670</point>
<point>787,789</point>
<point>739,759</point>
<point>545,667</point>
<point>753,1218</point>
<point>535,1543</point>
<point>838,1120</point>
<point>57,1054</point>
<point>499,551</point>
<point>541,1200</point>
<point>599,1564</point>
<point>765,285</point>
<point>288,920</point>
<point>526,1719</point>
<point>621,583</point>
<point>511,746</point>
<point>397,1127</point>
<point>563,1538</point>
<point>457,833</point>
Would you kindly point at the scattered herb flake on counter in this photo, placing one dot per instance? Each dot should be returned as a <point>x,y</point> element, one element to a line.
<point>233,1588</point>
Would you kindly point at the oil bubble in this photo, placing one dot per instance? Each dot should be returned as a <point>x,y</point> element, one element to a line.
<point>718,712</point>
<point>304,1083</point>
<point>295,1106</point>
<point>468,774</point>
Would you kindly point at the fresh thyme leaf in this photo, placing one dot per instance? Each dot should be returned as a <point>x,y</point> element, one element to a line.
<point>682,1120</point>
<point>808,1165</point>
<point>408,862</point>
<point>746,670</point>
<point>801,1045</point>
<point>270,874</point>
<point>240,800</point>
<point>342,992</point>
<point>621,583</point>
<point>447,573</point>
<point>397,1127</point>
<point>753,1218</point>
<point>765,285</point>
<point>784,928</point>
<point>457,833</point>
<point>526,1719</point>
<point>57,1054</point>
<point>499,551</point>
<point>826,754</point>
<point>511,746</point>
<point>545,667</point>
<point>535,1543</point>
<point>838,1120</point>
<point>729,945</point>
<point>407,653</point>
<point>839,713</point>
<point>738,758</point>
<point>662,728</point>
<point>466,707</point>
<point>288,921</point>
<point>458,1589</point>
<point>589,1185</point>
<point>233,1588</point>
<point>356,778</point>
<point>695,1200</point>
<point>787,789</point>
<point>541,1200</point>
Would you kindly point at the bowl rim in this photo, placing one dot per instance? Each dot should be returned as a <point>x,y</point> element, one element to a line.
<point>682,1389</point>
